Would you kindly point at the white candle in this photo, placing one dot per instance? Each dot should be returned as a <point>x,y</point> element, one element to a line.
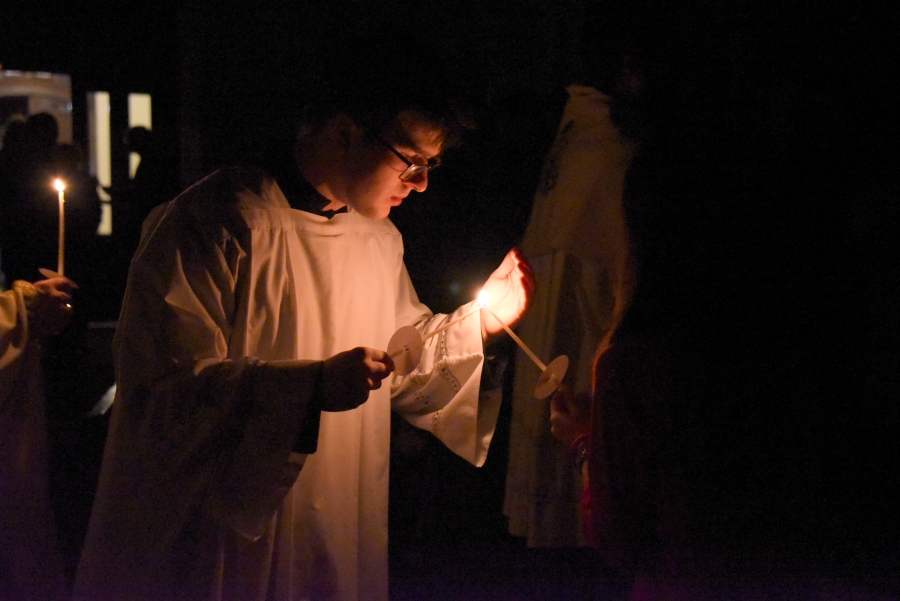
<point>61,261</point>
<point>483,300</point>
<point>519,342</point>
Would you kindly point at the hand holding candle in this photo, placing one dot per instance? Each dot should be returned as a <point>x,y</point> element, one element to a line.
<point>406,347</point>
<point>511,287</point>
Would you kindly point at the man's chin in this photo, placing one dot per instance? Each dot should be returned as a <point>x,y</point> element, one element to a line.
<point>376,213</point>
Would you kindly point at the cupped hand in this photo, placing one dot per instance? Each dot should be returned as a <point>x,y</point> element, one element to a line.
<point>511,290</point>
<point>348,377</point>
<point>569,414</point>
<point>50,310</point>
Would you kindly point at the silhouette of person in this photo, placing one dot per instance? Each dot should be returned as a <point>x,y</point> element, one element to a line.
<point>155,182</point>
<point>31,215</point>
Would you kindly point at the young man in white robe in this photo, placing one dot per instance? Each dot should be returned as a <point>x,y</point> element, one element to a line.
<point>238,465</point>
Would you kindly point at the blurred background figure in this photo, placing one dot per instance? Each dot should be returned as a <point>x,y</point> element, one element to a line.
<point>578,243</point>
<point>31,564</point>
<point>31,161</point>
<point>736,441</point>
<point>71,382</point>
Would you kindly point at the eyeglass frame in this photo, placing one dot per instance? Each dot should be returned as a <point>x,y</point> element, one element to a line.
<point>412,170</point>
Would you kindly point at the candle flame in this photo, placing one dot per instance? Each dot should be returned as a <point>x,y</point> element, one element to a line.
<point>484,299</point>
<point>59,184</point>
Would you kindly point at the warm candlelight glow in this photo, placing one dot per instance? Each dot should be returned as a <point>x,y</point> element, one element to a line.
<point>59,185</point>
<point>482,303</point>
<point>484,299</point>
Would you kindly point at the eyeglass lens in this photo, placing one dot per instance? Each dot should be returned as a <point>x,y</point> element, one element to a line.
<point>413,171</point>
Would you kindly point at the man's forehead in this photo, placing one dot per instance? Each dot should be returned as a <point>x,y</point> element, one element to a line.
<point>416,131</point>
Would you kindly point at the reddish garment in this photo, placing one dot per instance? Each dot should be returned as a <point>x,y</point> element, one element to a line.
<point>634,503</point>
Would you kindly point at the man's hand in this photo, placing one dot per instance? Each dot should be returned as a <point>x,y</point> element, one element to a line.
<point>50,309</point>
<point>511,288</point>
<point>348,377</point>
<point>569,415</point>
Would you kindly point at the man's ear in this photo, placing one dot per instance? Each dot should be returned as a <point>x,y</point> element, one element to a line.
<point>345,131</point>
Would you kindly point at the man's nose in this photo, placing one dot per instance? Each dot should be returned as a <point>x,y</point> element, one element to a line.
<point>419,182</point>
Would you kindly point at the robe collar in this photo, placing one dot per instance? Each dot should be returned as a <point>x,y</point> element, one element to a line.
<point>302,196</point>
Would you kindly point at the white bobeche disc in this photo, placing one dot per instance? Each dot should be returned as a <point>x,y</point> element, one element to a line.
<point>405,348</point>
<point>552,377</point>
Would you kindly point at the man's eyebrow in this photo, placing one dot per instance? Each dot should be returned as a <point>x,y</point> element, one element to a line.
<point>418,151</point>
<point>405,141</point>
<point>425,155</point>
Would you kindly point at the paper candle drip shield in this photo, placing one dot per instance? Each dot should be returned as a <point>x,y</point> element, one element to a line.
<point>551,377</point>
<point>405,348</point>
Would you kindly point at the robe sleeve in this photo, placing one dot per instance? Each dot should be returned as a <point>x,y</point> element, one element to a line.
<point>442,395</point>
<point>208,426</point>
<point>13,338</point>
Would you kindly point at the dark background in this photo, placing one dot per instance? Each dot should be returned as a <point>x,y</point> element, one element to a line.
<point>780,230</point>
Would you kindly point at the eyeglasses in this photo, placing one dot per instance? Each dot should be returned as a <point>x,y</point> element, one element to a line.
<point>412,170</point>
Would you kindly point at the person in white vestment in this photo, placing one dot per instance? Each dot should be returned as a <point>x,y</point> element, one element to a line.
<point>578,242</point>
<point>31,564</point>
<point>228,473</point>
<point>582,251</point>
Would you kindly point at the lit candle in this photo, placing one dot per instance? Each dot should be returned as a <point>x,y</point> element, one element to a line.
<point>518,340</point>
<point>60,261</point>
<point>483,299</point>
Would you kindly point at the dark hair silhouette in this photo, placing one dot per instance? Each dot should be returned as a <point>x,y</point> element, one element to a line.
<point>374,78</point>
